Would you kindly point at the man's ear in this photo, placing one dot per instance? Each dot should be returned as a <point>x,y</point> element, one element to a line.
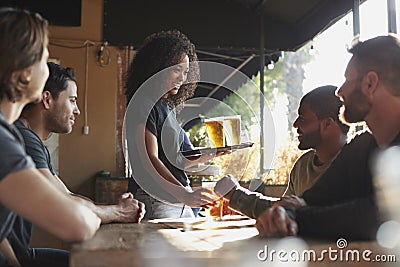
<point>46,99</point>
<point>326,123</point>
<point>372,80</point>
<point>26,76</point>
<point>22,78</point>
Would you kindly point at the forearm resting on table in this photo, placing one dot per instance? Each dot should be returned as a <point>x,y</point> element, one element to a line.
<point>54,212</point>
<point>249,203</point>
<point>106,213</point>
<point>127,210</point>
<point>356,219</point>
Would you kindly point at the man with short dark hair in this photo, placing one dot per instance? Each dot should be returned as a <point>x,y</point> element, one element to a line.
<point>56,113</point>
<point>319,130</point>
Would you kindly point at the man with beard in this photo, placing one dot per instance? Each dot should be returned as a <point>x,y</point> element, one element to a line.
<point>319,130</point>
<point>56,113</point>
<point>371,93</point>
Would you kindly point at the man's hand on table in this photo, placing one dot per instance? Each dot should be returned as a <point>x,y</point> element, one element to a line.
<point>275,222</point>
<point>226,186</point>
<point>130,210</point>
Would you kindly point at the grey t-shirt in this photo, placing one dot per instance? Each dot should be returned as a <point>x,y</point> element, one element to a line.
<point>20,237</point>
<point>13,159</point>
<point>305,174</point>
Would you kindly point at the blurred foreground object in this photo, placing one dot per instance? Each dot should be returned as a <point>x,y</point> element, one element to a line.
<point>387,187</point>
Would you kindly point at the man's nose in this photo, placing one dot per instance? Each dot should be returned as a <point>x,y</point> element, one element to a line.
<point>339,92</point>
<point>295,123</point>
<point>77,111</point>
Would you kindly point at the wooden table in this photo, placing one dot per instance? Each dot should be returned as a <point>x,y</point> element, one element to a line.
<point>231,242</point>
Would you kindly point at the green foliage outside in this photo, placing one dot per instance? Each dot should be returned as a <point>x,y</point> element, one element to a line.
<point>198,136</point>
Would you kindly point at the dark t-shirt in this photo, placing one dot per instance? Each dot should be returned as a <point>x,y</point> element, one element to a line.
<point>344,193</point>
<point>13,159</point>
<point>161,121</point>
<point>35,148</point>
<point>356,218</point>
<point>20,237</point>
<point>348,177</point>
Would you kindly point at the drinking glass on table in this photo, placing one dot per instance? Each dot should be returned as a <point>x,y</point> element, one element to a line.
<point>214,210</point>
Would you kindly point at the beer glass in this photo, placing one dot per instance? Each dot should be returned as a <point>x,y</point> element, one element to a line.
<point>214,210</point>
<point>232,129</point>
<point>215,131</point>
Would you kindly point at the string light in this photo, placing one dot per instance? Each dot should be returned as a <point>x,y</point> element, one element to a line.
<point>103,55</point>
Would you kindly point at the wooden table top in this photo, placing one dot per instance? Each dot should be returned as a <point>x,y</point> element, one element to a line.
<point>234,241</point>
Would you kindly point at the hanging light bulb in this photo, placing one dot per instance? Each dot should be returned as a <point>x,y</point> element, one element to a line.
<point>271,65</point>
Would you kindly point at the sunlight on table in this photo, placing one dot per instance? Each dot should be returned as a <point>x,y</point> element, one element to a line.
<point>199,234</point>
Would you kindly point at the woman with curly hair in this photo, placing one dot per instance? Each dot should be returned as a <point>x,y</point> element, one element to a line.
<point>163,74</point>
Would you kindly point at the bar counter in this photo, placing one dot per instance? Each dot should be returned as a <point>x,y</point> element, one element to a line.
<point>233,241</point>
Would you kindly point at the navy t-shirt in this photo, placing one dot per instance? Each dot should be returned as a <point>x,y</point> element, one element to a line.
<point>161,121</point>
<point>35,148</point>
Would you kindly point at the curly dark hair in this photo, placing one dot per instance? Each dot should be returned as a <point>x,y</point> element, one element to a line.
<point>160,51</point>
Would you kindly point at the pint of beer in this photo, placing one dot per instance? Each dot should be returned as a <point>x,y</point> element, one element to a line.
<point>232,129</point>
<point>213,211</point>
<point>215,131</point>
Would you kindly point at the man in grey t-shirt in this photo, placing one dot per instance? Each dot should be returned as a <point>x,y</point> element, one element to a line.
<point>23,73</point>
<point>319,130</point>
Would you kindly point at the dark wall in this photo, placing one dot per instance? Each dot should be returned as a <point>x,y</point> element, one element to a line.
<point>61,13</point>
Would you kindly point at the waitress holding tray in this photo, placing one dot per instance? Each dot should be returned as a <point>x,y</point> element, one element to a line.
<point>161,77</point>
